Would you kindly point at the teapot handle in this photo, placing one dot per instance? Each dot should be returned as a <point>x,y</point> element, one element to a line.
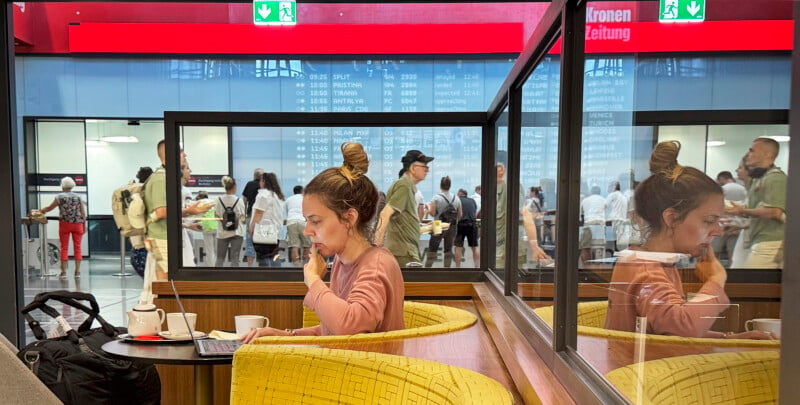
<point>162,316</point>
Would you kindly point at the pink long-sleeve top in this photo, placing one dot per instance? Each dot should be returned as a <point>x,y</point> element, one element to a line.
<point>653,289</point>
<point>364,296</point>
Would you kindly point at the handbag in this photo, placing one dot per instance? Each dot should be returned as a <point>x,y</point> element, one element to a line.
<point>75,368</point>
<point>266,232</point>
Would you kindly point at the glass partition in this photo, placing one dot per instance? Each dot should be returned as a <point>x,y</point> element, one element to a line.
<point>294,155</point>
<point>538,175</point>
<point>669,208</point>
<point>501,197</point>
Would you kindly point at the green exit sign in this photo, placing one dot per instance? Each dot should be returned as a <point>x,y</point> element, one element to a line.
<point>274,12</point>
<point>681,10</point>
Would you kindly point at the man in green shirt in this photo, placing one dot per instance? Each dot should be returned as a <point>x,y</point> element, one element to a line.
<point>399,220</point>
<point>155,199</point>
<point>766,206</point>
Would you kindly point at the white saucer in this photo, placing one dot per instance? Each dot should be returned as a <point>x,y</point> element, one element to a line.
<point>167,335</point>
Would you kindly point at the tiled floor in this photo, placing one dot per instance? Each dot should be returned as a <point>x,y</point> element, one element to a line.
<point>115,295</point>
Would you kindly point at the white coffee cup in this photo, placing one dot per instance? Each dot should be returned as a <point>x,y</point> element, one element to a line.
<point>765,325</point>
<point>246,323</point>
<point>177,325</point>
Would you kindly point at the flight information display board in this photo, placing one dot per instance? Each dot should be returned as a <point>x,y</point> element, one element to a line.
<point>416,85</point>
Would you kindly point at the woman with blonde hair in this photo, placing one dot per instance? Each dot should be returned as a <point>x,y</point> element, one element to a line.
<point>71,223</point>
<point>366,291</point>
<point>679,208</point>
<point>229,235</point>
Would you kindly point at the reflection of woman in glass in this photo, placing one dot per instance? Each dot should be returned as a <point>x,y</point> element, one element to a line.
<point>680,208</point>
<point>366,291</point>
<point>71,221</point>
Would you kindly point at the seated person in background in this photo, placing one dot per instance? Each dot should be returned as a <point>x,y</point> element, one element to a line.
<point>366,292</point>
<point>680,209</point>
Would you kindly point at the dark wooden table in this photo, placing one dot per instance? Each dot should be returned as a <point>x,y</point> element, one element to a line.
<point>182,353</point>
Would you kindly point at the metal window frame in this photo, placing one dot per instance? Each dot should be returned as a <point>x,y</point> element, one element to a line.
<point>174,120</point>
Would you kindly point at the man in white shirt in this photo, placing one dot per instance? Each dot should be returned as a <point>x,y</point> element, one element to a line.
<point>593,210</point>
<point>617,213</point>
<point>731,190</point>
<point>477,198</point>
<point>295,224</point>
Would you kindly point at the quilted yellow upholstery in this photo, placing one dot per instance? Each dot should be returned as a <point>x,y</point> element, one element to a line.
<point>421,320</point>
<point>718,378</point>
<point>276,374</point>
<point>592,317</point>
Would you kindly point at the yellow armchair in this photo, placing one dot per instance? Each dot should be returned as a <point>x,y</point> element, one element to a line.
<point>421,319</point>
<point>718,378</point>
<point>592,318</point>
<point>264,374</point>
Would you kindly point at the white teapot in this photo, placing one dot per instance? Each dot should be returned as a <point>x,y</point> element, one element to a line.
<point>145,319</point>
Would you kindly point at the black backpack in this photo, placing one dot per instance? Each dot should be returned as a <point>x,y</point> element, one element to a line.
<point>450,214</point>
<point>229,220</point>
<point>75,368</point>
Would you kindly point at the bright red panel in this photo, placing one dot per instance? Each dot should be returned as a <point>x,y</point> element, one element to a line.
<point>320,39</point>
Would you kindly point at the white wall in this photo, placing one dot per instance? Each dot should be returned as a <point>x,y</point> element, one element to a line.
<point>113,164</point>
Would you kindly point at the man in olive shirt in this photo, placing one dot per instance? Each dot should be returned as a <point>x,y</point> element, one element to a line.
<point>766,206</point>
<point>399,220</point>
<point>155,199</point>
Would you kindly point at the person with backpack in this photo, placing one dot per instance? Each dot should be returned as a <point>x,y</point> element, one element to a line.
<point>446,208</point>
<point>230,232</point>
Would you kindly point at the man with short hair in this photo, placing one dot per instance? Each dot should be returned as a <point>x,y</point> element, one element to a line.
<point>249,196</point>
<point>593,237</point>
<point>295,225</point>
<point>731,190</point>
<point>477,198</point>
<point>155,199</point>
<point>399,220</point>
<point>725,244</point>
<point>440,208</point>
<point>766,206</point>
<point>467,228</point>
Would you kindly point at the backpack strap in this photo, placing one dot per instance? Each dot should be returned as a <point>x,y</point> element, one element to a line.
<point>223,204</point>
<point>450,203</point>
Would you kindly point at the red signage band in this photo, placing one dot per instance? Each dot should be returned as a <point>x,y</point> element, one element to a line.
<point>310,39</point>
<point>391,39</point>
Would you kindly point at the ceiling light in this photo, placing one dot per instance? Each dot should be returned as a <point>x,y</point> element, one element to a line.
<point>779,138</point>
<point>95,142</point>
<point>121,139</point>
<point>712,144</point>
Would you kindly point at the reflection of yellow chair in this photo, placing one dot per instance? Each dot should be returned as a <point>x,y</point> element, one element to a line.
<point>421,319</point>
<point>264,374</point>
<point>730,378</point>
<point>592,318</point>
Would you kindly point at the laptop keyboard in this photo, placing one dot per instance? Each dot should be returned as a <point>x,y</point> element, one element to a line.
<point>220,346</point>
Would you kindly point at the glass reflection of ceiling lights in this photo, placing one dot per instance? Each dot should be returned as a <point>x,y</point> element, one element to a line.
<point>712,144</point>
<point>779,138</point>
<point>121,139</point>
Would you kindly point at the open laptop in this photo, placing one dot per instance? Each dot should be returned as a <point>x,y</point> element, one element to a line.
<point>207,347</point>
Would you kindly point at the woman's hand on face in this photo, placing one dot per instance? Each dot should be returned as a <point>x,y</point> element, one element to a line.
<point>753,334</point>
<point>315,269</point>
<point>708,268</point>
<point>259,332</point>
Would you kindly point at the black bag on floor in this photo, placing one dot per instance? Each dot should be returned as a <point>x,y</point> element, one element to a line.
<point>75,368</point>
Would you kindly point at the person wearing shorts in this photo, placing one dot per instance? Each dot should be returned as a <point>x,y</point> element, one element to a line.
<point>467,228</point>
<point>299,244</point>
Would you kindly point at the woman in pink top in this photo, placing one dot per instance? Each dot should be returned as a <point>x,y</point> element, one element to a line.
<point>679,209</point>
<point>366,291</point>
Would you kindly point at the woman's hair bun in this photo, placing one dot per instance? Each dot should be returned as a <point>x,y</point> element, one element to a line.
<point>665,159</point>
<point>356,162</point>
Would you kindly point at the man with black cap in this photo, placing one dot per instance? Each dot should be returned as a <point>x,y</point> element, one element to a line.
<point>399,219</point>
